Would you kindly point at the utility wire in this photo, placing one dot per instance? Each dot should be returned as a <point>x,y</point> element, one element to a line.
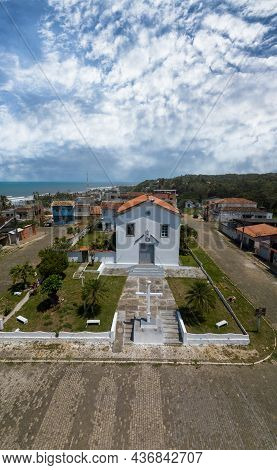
<point>221,93</point>
<point>93,154</point>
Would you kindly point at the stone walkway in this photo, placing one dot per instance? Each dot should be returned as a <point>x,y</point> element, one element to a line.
<point>132,306</point>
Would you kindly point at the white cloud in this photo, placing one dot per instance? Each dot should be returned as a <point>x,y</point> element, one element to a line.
<point>140,83</point>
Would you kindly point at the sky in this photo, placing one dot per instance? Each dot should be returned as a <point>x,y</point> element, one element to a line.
<point>127,90</point>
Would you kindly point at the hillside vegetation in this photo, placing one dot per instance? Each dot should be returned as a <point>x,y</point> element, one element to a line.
<point>258,187</point>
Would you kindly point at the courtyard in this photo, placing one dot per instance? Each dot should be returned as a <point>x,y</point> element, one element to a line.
<point>104,406</point>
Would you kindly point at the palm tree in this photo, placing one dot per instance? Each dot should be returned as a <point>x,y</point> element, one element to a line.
<point>22,272</point>
<point>92,293</point>
<point>200,298</point>
<point>50,286</point>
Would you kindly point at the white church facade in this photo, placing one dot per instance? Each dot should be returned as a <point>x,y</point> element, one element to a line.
<point>147,232</point>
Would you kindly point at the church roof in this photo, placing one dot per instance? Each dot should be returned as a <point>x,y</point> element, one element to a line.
<point>144,198</point>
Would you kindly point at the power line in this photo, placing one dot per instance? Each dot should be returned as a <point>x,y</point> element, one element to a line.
<point>243,59</point>
<point>93,154</point>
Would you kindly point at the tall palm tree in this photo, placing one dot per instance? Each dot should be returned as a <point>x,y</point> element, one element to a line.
<point>201,297</point>
<point>92,293</point>
<point>22,272</point>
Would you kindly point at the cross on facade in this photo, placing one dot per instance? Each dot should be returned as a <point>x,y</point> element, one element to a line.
<point>148,295</point>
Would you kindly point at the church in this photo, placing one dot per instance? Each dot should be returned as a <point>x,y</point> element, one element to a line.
<point>147,232</point>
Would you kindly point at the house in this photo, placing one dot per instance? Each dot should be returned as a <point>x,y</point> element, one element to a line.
<point>251,236</point>
<point>24,213</point>
<point>81,211</point>
<point>192,204</point>
<point>95,214</point>
<point>63,212</point>
<point>223,210</point>
<point>147,232</point>
<point>109,210</point>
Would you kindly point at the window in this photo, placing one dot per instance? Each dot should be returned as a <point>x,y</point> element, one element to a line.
<point>130,230</point>
<point>164,230</point>
<point>147,213</point>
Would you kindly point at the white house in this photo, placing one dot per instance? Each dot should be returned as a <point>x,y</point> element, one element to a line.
<point>147,232</point>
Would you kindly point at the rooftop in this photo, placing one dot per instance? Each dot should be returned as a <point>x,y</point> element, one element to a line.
<point>234,200</point>
<point>63,203</point>
<point>261,230</point>
<point>144,198</point>
<point>243,209</point>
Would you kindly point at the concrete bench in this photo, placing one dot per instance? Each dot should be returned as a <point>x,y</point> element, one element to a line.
<point>22,319</point>
<point>221,323</point>
<point>17,293</point>
<point>93,322</point>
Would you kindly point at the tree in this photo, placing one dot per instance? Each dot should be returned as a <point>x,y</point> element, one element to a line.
<point>50,286</point>
<point>92,293</point>
<point>52,262</point>
<point>22,272</point>
<point>4,202</point>
<point>200,298</point>
<point>61,244</point>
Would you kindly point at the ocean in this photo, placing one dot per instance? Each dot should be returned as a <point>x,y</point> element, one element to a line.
<point>27,188</point>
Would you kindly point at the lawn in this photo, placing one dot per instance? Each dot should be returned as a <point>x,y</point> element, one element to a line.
<point>68,314</point>
<point>187,260</point>
<point>95,237</point>
<point>242,308</point>
<point>8,301</point>
<point>180,287</point>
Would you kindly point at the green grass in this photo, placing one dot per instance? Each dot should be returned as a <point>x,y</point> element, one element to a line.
<point>242,307</point>
<point>180,287</point>
<point>187,260</point>
<point>94,237</point>
<point>8,301</point>
<point>68,314</point>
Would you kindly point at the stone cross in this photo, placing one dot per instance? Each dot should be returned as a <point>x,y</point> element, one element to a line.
<point>148,295</point>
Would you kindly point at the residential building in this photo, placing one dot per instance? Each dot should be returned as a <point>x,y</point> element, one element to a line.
<point>147,232</point>
<point>95,214</point>
<point>63,212</point>
<point>251,236</point>
<point>109,210</point>
<point>189,204</point>
<point>24,213</point>
<point>223,210</point>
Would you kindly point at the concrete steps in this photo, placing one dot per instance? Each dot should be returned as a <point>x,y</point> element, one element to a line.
<point>146,270</point>
<point>170,327</point>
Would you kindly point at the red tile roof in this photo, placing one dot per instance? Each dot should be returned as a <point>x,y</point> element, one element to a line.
<point>63,203</point>
<point>233,200</point>
<point>110,205</point>
<point>260,230</point>
<point>144,198</point>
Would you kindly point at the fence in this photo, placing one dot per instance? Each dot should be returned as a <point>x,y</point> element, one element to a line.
<point>219,293</point>
<point>194,339</point>
<point>91,337</point>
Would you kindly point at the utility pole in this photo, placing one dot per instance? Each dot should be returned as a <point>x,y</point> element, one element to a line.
<point>260,312</point>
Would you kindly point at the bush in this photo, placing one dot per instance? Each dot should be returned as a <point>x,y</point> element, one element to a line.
<point>52,262</point>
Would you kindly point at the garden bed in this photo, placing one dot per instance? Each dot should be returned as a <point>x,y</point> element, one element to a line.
<point>188,260</point>
<point>195,323</point>
<point>68,315</point>
<point>242,307</point>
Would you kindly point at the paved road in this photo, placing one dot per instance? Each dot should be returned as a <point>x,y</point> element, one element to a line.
<point>93,406</point>
<point>27,252</point>
<point>256,282</point>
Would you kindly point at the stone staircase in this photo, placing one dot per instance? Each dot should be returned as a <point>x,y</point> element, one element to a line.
<point>146,270</point>
<point>170,327</point>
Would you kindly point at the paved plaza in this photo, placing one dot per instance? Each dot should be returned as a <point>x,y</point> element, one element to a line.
<point>80,406</point>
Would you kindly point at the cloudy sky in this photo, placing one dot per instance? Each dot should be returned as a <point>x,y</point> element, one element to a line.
<point>136,89</point>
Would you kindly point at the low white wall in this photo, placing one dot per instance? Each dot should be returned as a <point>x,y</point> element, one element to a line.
<point>113,328</point>
<point>105,256</point>
<point>50,336</point>
<point>194,339</point>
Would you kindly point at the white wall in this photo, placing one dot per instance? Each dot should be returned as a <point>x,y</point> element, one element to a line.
<point>166,249</point>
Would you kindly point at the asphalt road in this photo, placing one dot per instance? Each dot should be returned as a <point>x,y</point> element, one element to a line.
<point>257,283</point>
<point>27,252</point>
<point>94,406</point>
